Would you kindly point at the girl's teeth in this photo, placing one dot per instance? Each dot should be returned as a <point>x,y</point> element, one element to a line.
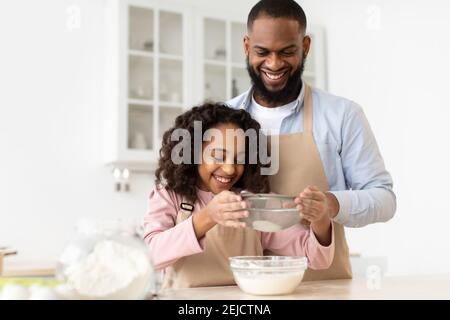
<point>223,180</point>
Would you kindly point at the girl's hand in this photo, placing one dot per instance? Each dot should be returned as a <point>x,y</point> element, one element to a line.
<point>220,209</point>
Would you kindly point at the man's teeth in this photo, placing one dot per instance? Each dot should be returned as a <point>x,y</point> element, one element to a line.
<point>274,76</point>
<point>222,179</point>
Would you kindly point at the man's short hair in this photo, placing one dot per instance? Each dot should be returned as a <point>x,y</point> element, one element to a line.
<point>277,9</point>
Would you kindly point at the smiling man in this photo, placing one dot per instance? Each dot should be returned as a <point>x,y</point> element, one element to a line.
<point>328,156</point>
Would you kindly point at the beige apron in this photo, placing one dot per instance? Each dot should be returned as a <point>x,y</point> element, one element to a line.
<point>211,267</point>
<point>300,166</point>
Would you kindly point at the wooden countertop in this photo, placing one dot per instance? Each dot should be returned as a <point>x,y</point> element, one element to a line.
<point>401,287</point>
<point>16,268</point>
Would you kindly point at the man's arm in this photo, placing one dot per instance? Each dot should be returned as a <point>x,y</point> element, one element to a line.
<point>371,198</point>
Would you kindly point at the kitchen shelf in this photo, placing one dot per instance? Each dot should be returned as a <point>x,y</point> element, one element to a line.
<point>143,102</point>
<point>170,57</point>
<point>225,64</point>
<point>169,104</point>
<point>215,63</point>
<point>238,65</point>
<point>140,53</point>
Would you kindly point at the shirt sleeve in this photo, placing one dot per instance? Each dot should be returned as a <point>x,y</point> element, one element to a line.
<point>370,198</point>
<point>168,242</point>
<point>299,241</point>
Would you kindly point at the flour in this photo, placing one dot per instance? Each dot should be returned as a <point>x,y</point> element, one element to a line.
<point>111,271</point>
<point>269,284</point>
<point>14,292</point>
<point>266,226</point>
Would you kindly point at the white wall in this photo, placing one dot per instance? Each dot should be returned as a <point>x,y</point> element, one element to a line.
<point>398,71</point>
<point>50,127</point>
<point>50,121</point>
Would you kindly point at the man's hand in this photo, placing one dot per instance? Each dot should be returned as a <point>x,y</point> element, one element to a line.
<point>318,208</point>
<point>314,204</point>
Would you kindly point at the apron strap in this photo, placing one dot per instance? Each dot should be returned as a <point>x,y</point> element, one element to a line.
<point>184,211</point>
<point>307,109</point>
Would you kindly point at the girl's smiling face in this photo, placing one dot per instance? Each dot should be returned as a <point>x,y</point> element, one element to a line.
<point>222,159</point>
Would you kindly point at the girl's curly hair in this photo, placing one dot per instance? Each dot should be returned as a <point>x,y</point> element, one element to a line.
<point>183,178</point>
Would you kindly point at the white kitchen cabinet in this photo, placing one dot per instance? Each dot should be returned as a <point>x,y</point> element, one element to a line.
<point>164,57</point>
<point>147,83</point>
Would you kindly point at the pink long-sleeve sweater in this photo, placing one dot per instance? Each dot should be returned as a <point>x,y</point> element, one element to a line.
<point>169,242</point>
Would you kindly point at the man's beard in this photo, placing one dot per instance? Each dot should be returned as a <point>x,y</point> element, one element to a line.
<point>280,97</point>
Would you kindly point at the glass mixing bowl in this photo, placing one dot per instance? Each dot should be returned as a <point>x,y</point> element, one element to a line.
<point>268,275</point>
<point>106,259</point>
<point>270,212</point>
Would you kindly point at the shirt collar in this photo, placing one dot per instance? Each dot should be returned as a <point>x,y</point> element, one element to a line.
<point>248,99</point>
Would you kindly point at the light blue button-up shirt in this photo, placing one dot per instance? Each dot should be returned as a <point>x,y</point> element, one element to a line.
<point>350,156</point>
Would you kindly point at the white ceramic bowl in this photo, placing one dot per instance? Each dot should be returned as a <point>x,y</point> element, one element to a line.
<point>268,275</point>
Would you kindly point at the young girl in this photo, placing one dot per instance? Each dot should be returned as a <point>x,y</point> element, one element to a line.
<point>190,226</point>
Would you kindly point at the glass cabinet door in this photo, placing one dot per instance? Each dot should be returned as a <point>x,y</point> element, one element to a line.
<point>171,64</point>
<point>215,82</point>
<point>140,134</point>
<point>170,33</point>
<point>170,93</point>
<point>140,26</point>
<point>215,40</point>
<point>238,31</point>
<point>215,55</point>
<point>140,78</point>
<point>240,80</point>
<point>225,75</point>
<point>155,74</point>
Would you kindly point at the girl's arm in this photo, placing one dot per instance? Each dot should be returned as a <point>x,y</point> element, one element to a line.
<point>168,242</point>
<point>300,241</point>
<point>322,230</point>
<point>202,222</point>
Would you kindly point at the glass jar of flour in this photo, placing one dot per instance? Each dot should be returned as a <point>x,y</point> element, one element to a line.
<point>107,260</point>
